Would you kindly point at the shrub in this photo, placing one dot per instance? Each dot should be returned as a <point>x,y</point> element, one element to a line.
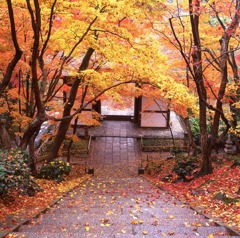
<point>194,124</point>
<point>55,170</point>
<point>77,146</point>
<point>15,173</point>
<point>184,167</point>
<point>153,167</point>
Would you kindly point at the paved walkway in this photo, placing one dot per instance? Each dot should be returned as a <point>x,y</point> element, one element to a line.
<point>116,203</point>
<point>120,208</point>
<point>115,157</point>
<point>129,129</point>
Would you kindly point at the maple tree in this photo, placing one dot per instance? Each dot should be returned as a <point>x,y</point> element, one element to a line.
<point>208,64</point>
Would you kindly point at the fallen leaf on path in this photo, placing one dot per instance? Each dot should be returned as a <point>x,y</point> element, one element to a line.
<point>105,222</point>
<point>140,221</point>
<point>155,223</point>
<point>197,224</point>
<point>87,226</point>
<point>135,222</point>
<point>210,236</point>
<point>109,212</point>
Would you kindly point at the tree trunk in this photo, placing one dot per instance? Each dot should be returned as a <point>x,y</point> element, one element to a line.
<point>32,128</point>
<point>206,166</point>
<point>18,52</point>
<point>224,43</point>
<point>64,124</point>
<point>4,136</point>
<point>192,144</point>
<point>40,117</point>
<point>31,150</point>
<point>235,111</point>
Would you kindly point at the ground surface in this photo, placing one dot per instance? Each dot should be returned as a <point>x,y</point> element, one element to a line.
<point>116,202</point>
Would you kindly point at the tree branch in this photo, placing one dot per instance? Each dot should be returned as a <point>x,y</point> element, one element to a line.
<point>18,51</point>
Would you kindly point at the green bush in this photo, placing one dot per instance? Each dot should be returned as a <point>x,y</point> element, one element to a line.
<point>15,174</point>
<point>184,166</point>
<point>55,170</point>
<point>194,124</point>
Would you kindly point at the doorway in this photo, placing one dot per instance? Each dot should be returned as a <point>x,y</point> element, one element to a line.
<point>113,110</point>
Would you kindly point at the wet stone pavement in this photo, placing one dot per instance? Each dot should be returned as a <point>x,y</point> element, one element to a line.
<point>117,203</point>
<point>115,157</point>
<point>131,130</point>
<point>122,207</point>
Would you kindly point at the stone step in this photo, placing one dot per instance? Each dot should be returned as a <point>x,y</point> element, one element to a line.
<point>115,219</point>
<point>119,184</point>
<point>91,199</point>
<point>181,231</point>
<point>89,235</point>
<point>118,210</point>
<point>58,235</point>
<point>71,222</point>
<point>120,203</point>
<point>131,198</point>
<point>136,230</point>
<point>124,193</point>
<point>116,184</point>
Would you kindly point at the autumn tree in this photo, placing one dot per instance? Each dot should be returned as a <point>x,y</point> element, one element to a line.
<point>204,33</point>
<point>110,35</point>
<point>10,66</point>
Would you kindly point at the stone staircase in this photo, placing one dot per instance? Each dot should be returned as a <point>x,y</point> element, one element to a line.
<point>120,208</point>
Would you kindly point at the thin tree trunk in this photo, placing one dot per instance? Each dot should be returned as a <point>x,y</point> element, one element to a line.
<point>32,128</point>
<point>234,110</point>
<point>64,124</point>
<point>224,43</point>
<point>40,117</point>
<point>4,136</point>
<point>192,144</point>
<point>206,166</point>
<point>31,150</point>
<point>18,52</point>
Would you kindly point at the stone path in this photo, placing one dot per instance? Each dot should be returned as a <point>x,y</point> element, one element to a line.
<point>116,203</point>
<point>129,129</point>
<point>122,207</point>
<point>116,157</point>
